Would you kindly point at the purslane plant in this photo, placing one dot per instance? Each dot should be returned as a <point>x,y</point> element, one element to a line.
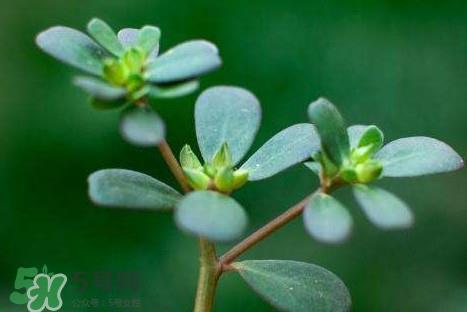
<point>227,119</point>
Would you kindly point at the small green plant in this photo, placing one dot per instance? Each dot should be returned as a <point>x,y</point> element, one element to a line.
<point>127,70</point>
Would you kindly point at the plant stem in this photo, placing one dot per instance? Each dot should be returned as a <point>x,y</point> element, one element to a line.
<point>209,268</point>
<point>173,164</point>
<point>209,272</point>
<point>264,231</point>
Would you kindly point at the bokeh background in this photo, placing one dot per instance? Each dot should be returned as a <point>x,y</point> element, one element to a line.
<point>399,64</point>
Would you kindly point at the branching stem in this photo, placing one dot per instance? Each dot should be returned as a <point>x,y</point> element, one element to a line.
<point>173,165</point>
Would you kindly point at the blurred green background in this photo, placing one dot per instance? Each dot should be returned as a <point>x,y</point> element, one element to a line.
<point>399,64</point>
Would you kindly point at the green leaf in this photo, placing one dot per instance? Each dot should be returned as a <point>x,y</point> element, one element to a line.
<point>141,126</point>
<point>72,47</point>
<point>414,156</point>
<point>295,286</point>
<point>372,136</point>
<point>287,148</point>
<point>99,89</point>
<point>211,215</point>
<point>185,61</point>
<point>226,115</point>
<point>148,38</point>
<point>331,128</point>
<point>382,208</point>
<point>177,90</point>
<point>355,133</point>
<point>327,220</point>
<point>120,188</point>
<point>105,36</point>
<point>188,158</point>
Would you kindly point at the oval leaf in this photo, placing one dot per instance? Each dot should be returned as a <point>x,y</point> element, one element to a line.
<point>148,38</point>
<point>72,47</point>
<point>105,36</point>
<point>382,208</point>
<point>226,115</point>
<point>287,148</point>
<point>173,91</point>
<point>327,220</point>
<point>211,215</point>
<point>120,188</point>
<point>99,89</point>
<point>414,156</point>
<point>295,286</point>
<point>331,128</point>
<point>142,127</point>
<point>372,136</point>
<point>187,60</point>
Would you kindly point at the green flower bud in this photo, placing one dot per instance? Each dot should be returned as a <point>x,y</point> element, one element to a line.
<point>115,72</point>
<point>368,171</point>
<point>240,177</point>
<point>188,159</point>
<point>224,179</point>
<point>361,154</point>
<point>210,170</point>
<point>197,179</point>
<point>223,157</point>
<point>349,175</point>
<point>134,83</point>
<point>134,60</point>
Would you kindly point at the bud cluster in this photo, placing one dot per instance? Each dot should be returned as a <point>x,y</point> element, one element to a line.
<point>218,174</point>
<point>127,71</point>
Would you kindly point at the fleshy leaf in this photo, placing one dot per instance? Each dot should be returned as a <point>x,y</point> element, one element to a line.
<point>327,220</point>
<point>287,148</point>
<point>355,133</point>
<point>148,38</point>
<point>99,88</point>
<point>72,47</point>
<point>185,61</point>
<point>295,286</point>
<point>211,215</point>
<point>105,36</point>
<point>382,208</point>
<point>120,188</point>
<point>331,128</point>
<point>173,91</point>
<point>414,156</point>
<point>226,115</point>
<point>142,126</point>
<point>372,136</point>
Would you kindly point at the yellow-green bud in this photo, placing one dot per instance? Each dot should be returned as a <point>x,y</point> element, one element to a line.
<point>224,179</point>
<point>368,171</point>
<point>361,154</point>
<point>348,174</point>
<point>197,179</point>
<point>240,177</point>
<point>134,60</point>
<point>223,157</point>
<point>188,159</point>
<point>210,170</point>
<point>115,72</point>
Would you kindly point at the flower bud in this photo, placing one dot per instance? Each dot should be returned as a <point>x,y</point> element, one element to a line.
<point>134,60</point>
<point>210,170</point>
<point>197,179</point>
<point>115,72</point>
<point>240,177</point>
<point>361,154</point>
<point>368,171</point>
<point>223,157</point>
<point>224,179</point>
<point>188,159</point>
<point>349,175</point>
